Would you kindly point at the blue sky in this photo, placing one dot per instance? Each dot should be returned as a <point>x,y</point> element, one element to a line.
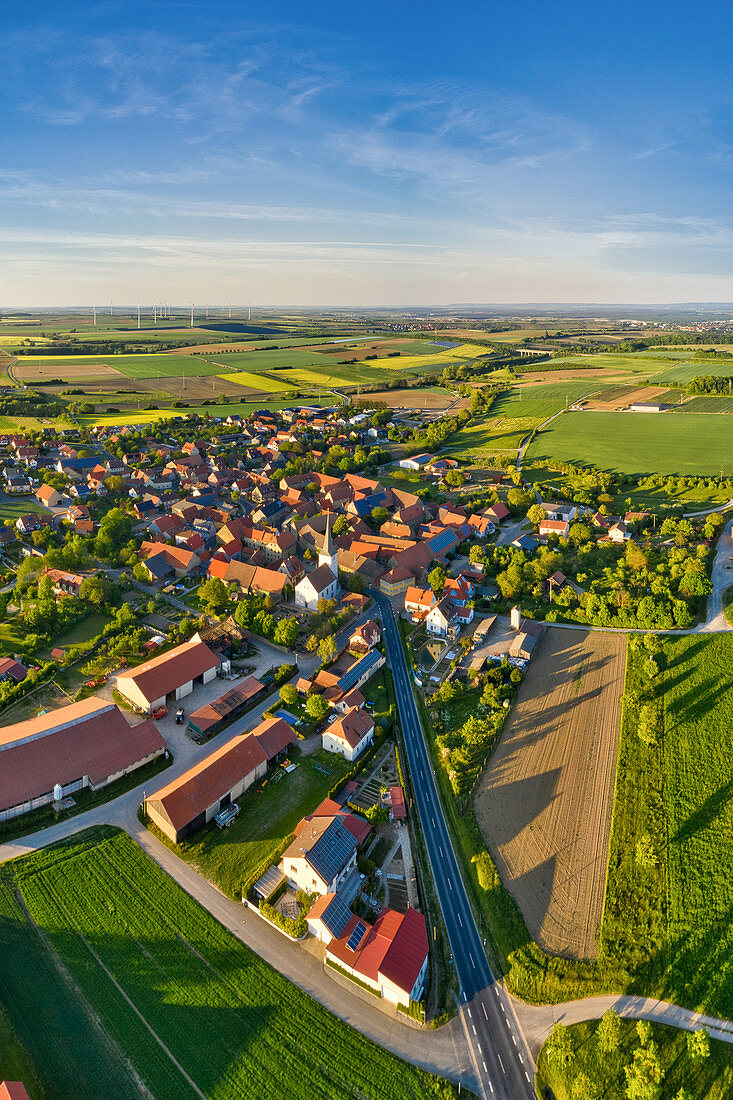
<point>382,154</point>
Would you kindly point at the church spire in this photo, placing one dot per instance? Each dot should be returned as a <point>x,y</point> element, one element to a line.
<point>329,554</point>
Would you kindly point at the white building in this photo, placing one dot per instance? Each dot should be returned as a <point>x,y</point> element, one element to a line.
<point>322,583</point>
<point>321,856</point>
<point>350,734</point>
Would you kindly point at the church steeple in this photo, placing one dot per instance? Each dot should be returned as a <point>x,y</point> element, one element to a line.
<point>329,554</point>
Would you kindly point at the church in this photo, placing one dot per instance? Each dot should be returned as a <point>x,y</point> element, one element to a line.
<point>323,582</point>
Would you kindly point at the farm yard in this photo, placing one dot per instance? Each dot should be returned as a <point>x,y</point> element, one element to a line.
<point>617,441</point>
<point>544,802</point>
<point>136,990</point>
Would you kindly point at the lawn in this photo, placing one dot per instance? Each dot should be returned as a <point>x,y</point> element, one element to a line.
<point>82,631</point>
<point>638,443</point>
<point>706,1079</point>
<point>13,507</point>
<point>241,853</point>
<point>164,1000</point>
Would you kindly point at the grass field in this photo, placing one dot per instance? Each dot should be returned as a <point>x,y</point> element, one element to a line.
<point>183,1008</point>
<point>707,1079</point>
<point>638,443</point>
<point>543,400</point>
<point>490,434</point>
<point>657,499</point>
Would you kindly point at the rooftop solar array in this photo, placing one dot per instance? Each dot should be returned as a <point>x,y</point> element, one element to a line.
<point>336,916</point>
<point>354,674</point>
<point>332,851</point>
<point>355,937</point>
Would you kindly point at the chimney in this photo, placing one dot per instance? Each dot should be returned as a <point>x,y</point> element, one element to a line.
<point>516,618</point>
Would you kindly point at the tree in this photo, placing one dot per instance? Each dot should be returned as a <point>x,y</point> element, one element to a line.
<point>340,526</point>
<point>286,633</point>
<point>644,1075</point>
<point>609,1032</point>
<point>436,579</point>
<point>327,648</point>
<point>289,694</point>
<point>698,1044</point>
<point>536,514</point>
<point>214,594</point>
<point>317,707</point>
<point>584,1089</point>
<point>559,1046</point>
<point>455,478</point>
<point>644,1031</point>
<point>377,815</point>
<point>99,591</point>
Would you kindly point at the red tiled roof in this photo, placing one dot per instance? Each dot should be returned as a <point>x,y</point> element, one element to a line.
<point>13,1090</point>
<point>216,710</point>
<point>193,792</point>
<point>170,670</point>
<point>274,735</point>
<point>90,738</point>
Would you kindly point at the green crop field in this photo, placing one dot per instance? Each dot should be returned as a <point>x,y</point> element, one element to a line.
<point>707,405</point>
<point>164,1000</point>
<point>148,416</point>
<point>638,443</point>
<point>266,382</point>
<point>681,373</point>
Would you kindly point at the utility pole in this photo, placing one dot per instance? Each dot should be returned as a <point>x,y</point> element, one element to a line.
<point>138,315</point>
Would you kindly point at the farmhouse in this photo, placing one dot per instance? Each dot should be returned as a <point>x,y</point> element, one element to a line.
<point>391,956</point>
<point>189,802</point>
<point>173,673</point>
<point>350,734</point>
<point>321,857</point>
<point>86,744</point>
<point>559,527</point>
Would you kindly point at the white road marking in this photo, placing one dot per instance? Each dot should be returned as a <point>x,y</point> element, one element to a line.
<point>441,852</point>
<point>459,919</point>
<point>450,884</point>
<point>501,1063</point>
<point>484,1065</point>
<point>469,1014</point>
<point>474,1028</point>
<point>486,1015</point>
<point>471,958</point>
<point>514,1040</point>
<point>491,1086</point>
<point>525,1074</point>
<point>521,1059</point>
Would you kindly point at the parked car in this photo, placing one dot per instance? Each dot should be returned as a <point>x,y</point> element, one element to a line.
<point>160,712</point>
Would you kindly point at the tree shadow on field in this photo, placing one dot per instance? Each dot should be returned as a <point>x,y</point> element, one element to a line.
<point>699,700</point>
<point>687,654</point>
<point>696,969</point>
<point>505,809</point>
<point>704,817</point>
<point>532,891</point>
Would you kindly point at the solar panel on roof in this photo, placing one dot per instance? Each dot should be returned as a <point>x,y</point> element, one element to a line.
<point>355,936</point>
<point>357,670</point>
<point>336,916</point>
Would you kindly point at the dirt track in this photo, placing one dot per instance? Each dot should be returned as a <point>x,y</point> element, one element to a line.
<point>544,802</point>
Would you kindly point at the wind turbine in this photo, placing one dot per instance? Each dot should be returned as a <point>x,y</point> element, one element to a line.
<point>138,315</point>
<point>94,313</point>
<point>191,315</point>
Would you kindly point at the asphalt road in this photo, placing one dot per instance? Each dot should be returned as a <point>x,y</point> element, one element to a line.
<point>500,1054</point>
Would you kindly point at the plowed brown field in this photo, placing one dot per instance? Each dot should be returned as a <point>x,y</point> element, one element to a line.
<point>544,802</point>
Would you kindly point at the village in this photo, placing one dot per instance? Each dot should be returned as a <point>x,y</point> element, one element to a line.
<point>241,559</point>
